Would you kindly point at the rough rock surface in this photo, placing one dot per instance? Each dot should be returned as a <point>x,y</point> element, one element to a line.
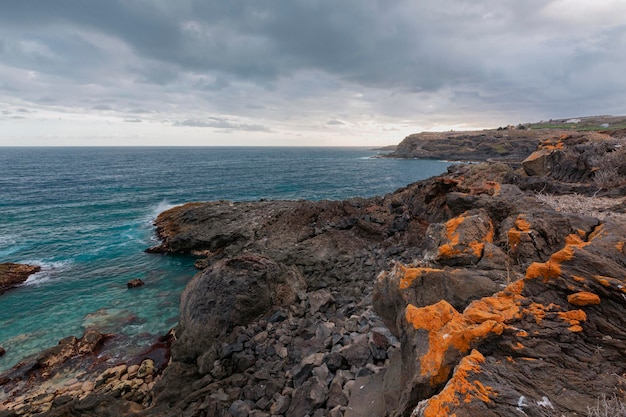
<point>489,303</point>
<point>12,274</point>
<point>509,145</point>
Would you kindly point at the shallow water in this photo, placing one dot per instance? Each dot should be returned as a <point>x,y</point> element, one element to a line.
<point>85,215</point>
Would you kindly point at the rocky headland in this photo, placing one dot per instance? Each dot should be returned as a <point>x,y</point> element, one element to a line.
<point>509,145</point>
<point>490,290</point>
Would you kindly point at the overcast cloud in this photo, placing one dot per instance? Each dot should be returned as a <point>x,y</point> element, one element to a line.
<point>292,72</point>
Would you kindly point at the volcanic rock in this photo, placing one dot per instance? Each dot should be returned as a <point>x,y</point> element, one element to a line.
<point>12,275</point>
<point>134,283</point>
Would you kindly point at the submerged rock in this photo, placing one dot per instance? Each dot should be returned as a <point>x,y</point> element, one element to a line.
<point>134,283</point>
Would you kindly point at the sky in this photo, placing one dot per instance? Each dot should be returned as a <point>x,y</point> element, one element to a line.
<point>300,72</point>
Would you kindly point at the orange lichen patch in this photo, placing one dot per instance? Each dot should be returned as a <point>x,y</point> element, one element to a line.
<point>538,311</point>
<point>544,270</point>
<point>606,281</point>
<point>578,279</point>
<point>431,318</point>
<point>575,240</point>
<point>447,328</point>
<point>517,346</point>
<point>552,146</point>
<point>522,224</point>
<point>477,248</point>
<point>490,234</point>
<point>583,298</point>
<point>597,232</point>
<point>447,251</point>
<point>410,274</point>
<point>581,233</point>
<point>451,226</point>
<point>522,333</point>
<point>573,316</point>
<point>456,246</point>
<point>500,308</point>
<point>495,186</point>
<point>552,267</point>
<point>619,246</point>
<point>461,388</point>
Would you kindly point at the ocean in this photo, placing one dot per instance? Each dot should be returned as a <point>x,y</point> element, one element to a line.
<point>85,215</point>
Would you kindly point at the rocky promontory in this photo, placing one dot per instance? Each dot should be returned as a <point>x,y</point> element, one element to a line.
<point>472,293</point>
<point>12,274</point>
<point>509,145</point>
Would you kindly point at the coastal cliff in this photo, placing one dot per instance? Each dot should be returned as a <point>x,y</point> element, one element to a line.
<point>469,293</point>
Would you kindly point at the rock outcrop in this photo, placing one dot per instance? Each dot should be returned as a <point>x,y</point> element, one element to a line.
<point>576,162</point>
<point>12,274</point>
<point>487,145</point>
<point>535,345</point>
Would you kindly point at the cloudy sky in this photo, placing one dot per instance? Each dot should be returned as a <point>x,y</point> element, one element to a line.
<point>300,72</point>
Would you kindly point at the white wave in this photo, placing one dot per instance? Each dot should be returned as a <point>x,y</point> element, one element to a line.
<point>49,270</point>
<point>8,245</point>
<point>6,240</point>
<point>162,206</point>
<point>158,209</point>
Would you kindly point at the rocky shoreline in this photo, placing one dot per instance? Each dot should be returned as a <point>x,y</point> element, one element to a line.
<point>468,294</point>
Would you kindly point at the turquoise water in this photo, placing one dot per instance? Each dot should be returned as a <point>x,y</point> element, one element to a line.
<point>85,215</point>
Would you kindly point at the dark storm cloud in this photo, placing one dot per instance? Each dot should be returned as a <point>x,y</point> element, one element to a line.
<point>535,56</point>
<point>378,43</point>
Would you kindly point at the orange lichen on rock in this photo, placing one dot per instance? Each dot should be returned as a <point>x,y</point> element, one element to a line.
<point>500,308</point>
<point>461,388</point>
<point>619,246</point>
<point>606,281</point>
<point>447,328</point>
<point>573,316</point>
<point>552,268</point>
<point>597,232</point>
<point>458,246</point>
<point>477,247</point>
<point>517,346</point>
<point>521,227</point>
<point>494,186</point>
<point>451,229</point>
<point>575,240</point>
<point>583,298</point>
<point>410,274</point>
<point>522,224</point>
<point>537,311</point>
<point>545,270</point>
